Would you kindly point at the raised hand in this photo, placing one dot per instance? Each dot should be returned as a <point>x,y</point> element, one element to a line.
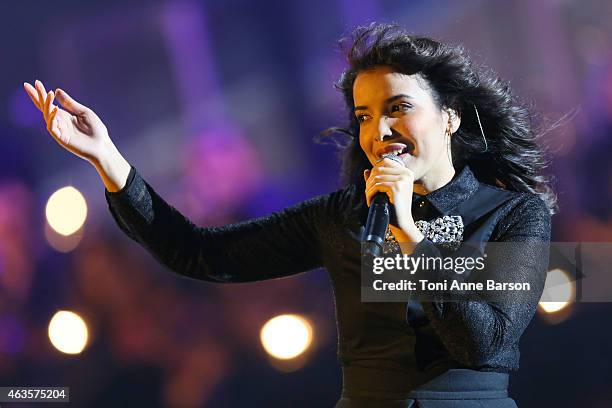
<point>80,131</point>
<point>76,127</point>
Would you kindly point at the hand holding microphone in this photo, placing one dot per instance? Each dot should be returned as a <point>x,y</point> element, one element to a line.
<point>389,182</point>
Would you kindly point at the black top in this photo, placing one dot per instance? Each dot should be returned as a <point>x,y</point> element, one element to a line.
<point>421,339</point>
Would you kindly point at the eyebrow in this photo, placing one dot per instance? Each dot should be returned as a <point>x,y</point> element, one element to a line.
<point>388,100</point>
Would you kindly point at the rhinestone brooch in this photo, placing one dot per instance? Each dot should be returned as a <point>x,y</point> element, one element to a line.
<point>446,231</point>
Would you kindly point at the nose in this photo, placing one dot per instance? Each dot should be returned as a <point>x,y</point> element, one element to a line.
<point>383,129</point>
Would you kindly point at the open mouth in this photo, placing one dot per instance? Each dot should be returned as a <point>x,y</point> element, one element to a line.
<point>396,149</point>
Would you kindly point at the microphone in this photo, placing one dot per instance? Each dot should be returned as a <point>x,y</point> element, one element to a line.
<point>379,215</point>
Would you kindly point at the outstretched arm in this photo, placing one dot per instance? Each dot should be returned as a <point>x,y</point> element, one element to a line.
<point>281,244</point>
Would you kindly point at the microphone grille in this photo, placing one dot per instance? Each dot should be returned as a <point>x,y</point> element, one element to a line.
<point>394,155</point>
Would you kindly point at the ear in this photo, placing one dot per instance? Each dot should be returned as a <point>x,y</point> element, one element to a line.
<point>454,118</point>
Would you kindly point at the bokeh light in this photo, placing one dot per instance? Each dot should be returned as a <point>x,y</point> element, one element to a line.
<point>558,286</point>
<point>68,332</point>
<point>286,336</point>
<point>62,243</point>
<point>66,210</point>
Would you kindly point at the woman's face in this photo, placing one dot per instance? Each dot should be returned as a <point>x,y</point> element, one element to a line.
<point>397,112</point>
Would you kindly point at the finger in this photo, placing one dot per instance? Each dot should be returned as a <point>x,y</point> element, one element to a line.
<point>52,125</point>
<point>70,104</point>
<point>384,178</point>
<point>32,94</point>
<point>388,170</point>
<point>386,188</point>
<point>48,104</point>
<point>396,161</point>
<point>379,188</point>
<point>391,162</point>
<point>40,89</point>
<point>393,170</point>
<point>42,86</point>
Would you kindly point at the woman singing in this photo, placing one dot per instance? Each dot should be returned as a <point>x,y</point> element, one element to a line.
<point>464,151</point>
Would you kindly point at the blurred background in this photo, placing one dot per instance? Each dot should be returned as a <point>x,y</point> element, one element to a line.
<point>217,104</point>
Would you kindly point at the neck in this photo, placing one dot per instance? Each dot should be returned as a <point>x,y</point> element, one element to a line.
<point>433,180</point>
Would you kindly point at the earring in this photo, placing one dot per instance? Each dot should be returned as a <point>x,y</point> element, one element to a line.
<point>449,124</point>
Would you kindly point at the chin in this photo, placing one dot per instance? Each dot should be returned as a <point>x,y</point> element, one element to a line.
<point>413,163</point>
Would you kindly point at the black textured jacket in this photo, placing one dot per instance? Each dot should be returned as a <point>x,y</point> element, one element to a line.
<point>419,338</point>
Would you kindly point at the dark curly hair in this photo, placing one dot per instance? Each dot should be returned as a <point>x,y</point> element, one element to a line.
<point>512,157</point>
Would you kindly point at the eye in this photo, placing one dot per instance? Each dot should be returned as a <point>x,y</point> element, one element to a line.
<point>362,118</point>
<point>400,107</point>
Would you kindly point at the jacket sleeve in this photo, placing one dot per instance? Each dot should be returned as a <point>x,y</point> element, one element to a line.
<point>477,333</point>
<point>280,244</point>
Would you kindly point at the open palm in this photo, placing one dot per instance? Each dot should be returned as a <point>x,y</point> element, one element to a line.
<point>76,127</point>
